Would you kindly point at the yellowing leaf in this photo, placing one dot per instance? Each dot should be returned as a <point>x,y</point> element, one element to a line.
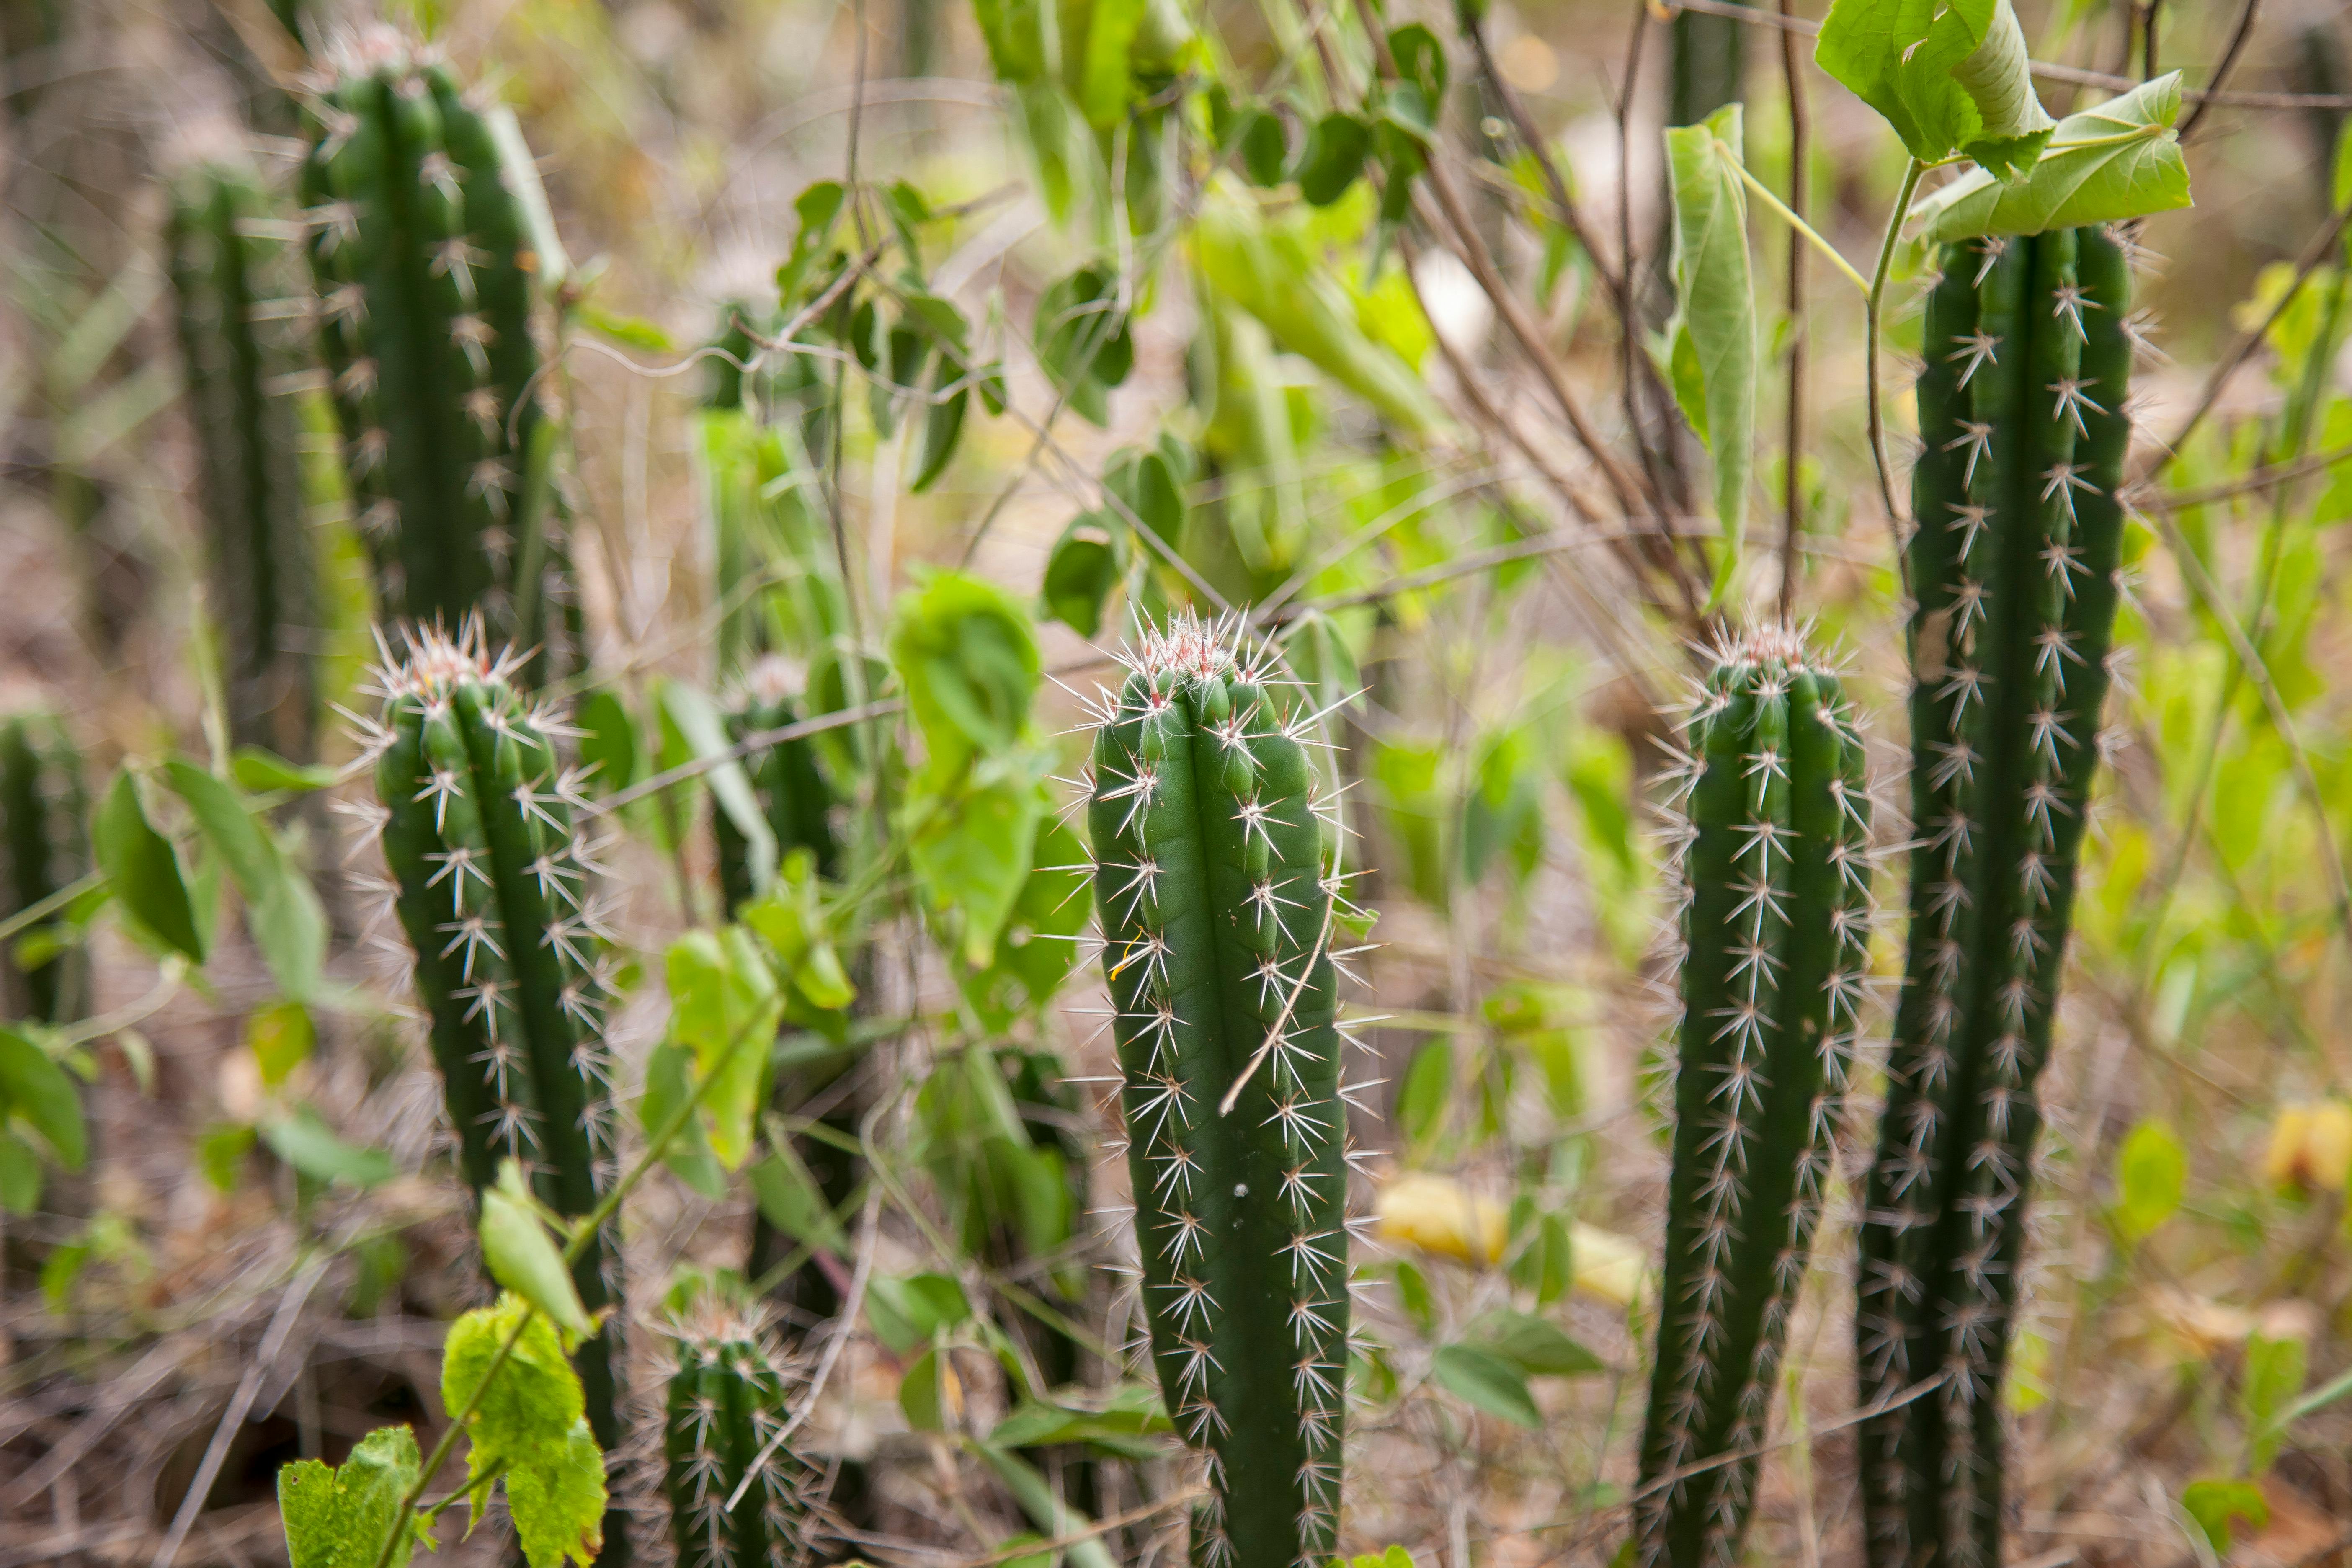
<point>338,1515</point>
<point>724,1007</point>
<point>1439,1214</point>
<point>2310,1147</point>
<point>530,1428</point>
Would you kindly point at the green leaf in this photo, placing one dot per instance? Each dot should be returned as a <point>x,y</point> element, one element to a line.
<point>1334,155</point>
<point>1484,1379</point>
<point>1265,147</point>
<point>2119,160</point>
<point>311,1147</point>
<point>1126,1423</point>
<point>790,1200</point>
<point>921,1396</point>
<point>971,851</point>
<point>1420,60</point>
<point>1044,1507</point>
<point>668,1085</point>
<point>964,651</point>
<point>1536,1346</point>
<point>530,1427</point>
<point>143,871</point>
<point>1083,569</point>
<point>909,1311</point>
<point>33,1087</point>
<point>629,332</point>
<point>1100,81</point>
<point>1427,1089</point>
<point>20,1174</point>
<point>2271,1378</point>
<point>280,1036</point>
<point>2213,1502</point>
<point>1544,1265</point>
<point>1036,949</point>
<point>340,1516</point>
<point>687,717</point>
<point>1714,312</point>
<point>942,424</point>
<point>2151,1168</point>
<point>608,740</point>
<point>1084,338</point>
<point>283,909</point>
<point>1950,76</point>
<point>260,771</point>
<point>221,1150</point>
<point>722,994</point>
<point>790,919</point>
<point>817,207</point>
<point>521,1256</point>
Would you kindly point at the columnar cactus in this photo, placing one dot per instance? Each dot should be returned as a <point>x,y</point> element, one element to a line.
<point>1776,937</point>
<point>2028,355</point>
<point>792,789</point>
<point>239,314</point>
<point>43,848</point>
<point>1215,886</point>
<point>420,245</point>
<point>493,884</point>
<point>726,1402</point>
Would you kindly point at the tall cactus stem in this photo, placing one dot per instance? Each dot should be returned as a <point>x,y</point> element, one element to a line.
<point>2027,352</point>
<point>725,1402</point>
<point>44,848</point>
<point>1776,945</point>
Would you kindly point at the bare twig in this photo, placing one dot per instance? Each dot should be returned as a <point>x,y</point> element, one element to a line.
<point>1792,485</point>
<point>2239,34</point>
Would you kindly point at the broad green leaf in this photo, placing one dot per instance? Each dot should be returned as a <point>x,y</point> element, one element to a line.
<point>36,1089</point>
<point>1036,949</point>
<point>311,1147</point>
<point>530,1425</point>
<point>1127,1424</point>
<point>1099,82</point>
<point>20,1174</point>
<point>790,919</point>
<point>1085,343</point>
<point>1545,1263</point>
<point>1013,32</point>
<point>668,1085</point>
<point>817,206</point>
<point>929,1395</point>
<point>971,854</point>
<point>1063,147</point>
<point>521,1256</point>
<point>909,1311</point>
<point>1950,76</point>
<point>790,1200</point>
<point>942,424</point>
<point>339,1515</point>
<point>260,771</point>
<point>964,651</point>
<point>1420,60</point>
<point>1265,147</point>
<point>2213,1502</point>
<point>2272,1377</point>
<point>1488,1381</point>
<point>608,742</point>
<point>1269,271</point>
<point>1422,1096</point>
<point>687,717</point>
<point>1083,569</point>
<point>1714,312</point>
<point>283,911</point>
<point>143,871</point>
<point>2116,161</point>
<point>2150,1170</point>
<point>724,1007</point>
<point>1536,1346</point>
<point>221,1150</point>
<point>1334,155</point>
<point>280,1036</point>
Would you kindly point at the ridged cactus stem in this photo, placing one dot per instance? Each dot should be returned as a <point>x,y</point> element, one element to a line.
<point>239,309</point>
<point>493,882</point>
<point>44,848</point>
<point>1776,935</point>
<point>725,1402</point>
<point>1214,887</point>
<point>423,262</point>
<point>2028,355</point>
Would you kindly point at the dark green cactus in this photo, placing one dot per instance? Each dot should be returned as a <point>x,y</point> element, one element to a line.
<point>493,881</point>
<point>420,245</point>
<point>1776,948</point>
<point>1214,882</point>
<point>790,786</point>
<point>1706,66</point>
<point>725,1403</point>
<point>44,848</point>
<point>234,271</point>
<point>2028,354</point>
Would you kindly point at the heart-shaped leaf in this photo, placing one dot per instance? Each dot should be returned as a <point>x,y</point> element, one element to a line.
<point>2116,161</point>
<point>1950,76</point>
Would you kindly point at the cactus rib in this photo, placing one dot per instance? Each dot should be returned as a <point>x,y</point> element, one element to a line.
<point>2015,564</point>
<point>1213,886</point>
<point>725,1402</point>
<point>493,887</point>
<point>43,848</point>
<point>1776,932</point>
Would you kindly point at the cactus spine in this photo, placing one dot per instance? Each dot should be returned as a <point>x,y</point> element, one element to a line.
<point>1213,884</point>
<point>418,242</point>
<point>2028,354</point>
<point>228,254</point>
<point>44,848</point>
<point>725,1403</point>
<point>492,881</point>
<point>1776,933</point>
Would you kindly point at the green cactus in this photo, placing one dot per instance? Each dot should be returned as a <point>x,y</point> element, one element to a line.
<point>420,243</point>
<point>1776,946</point>
<point>493,882</point>
<point>44,848</point>
<point>1706,68</point>
<point>725,1403</point>
<point>1214,888</point>
<point>239,316</point>
<point>793,793</point>
<point>2027,364</point>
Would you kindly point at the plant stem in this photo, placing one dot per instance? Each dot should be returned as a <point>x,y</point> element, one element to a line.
<point>1871,313</point>
<point>1803,230</point>
<point>1793,478</point>
<point>34,914</point>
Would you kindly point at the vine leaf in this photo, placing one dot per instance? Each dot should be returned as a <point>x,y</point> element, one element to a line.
<point>1950,76</point>
<point>2116,161</point>
<point>35,1088</point>
<point>337,1516</point>
<point>145,874</point>
<point>530,1429</point>
<point>721,992</point>
<point>690,725</point>
<point>1488,1381</point>
<point>1711,353</point>
<point>283,909</point>
<point>516,1247</point>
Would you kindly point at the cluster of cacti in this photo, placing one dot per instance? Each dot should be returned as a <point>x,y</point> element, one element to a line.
<point>1775,931</point>
<point>2012,566</point>
<point>44,848</point>
<point>493,881</point>
<point>420,246</point>
<point>241,321</point>
<point>725,1403</point>
<point>1214,884</point>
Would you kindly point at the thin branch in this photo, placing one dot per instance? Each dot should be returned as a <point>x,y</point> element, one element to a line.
<point>2238,36</point>
<point>2260,478</point>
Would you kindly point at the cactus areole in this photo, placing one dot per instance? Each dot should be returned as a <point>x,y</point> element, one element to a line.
<point>1214,884</point>
<point>1776,945</point>
<point>2027,360</point>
